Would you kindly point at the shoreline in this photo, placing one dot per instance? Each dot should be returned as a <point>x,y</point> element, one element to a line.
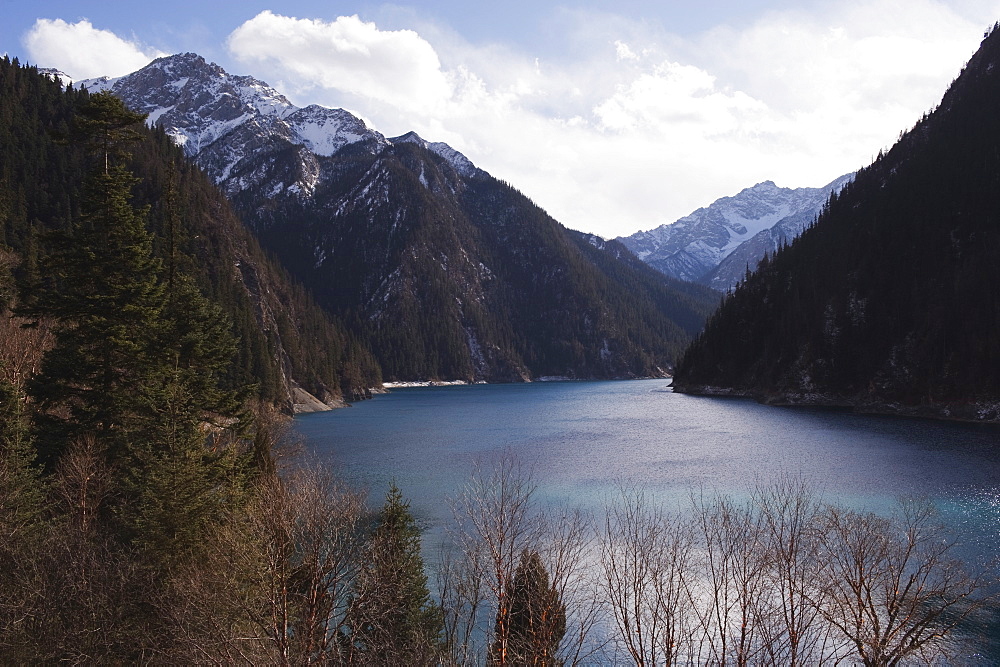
<point>979,412</point>
<point>407,384</point>
<point>303,402</point>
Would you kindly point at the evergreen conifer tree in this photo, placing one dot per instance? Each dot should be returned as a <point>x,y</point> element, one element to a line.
<point>179,485</point>
<point>101,286</point>
<point>537,615</point>
<point>392,616</point>
<point>138,361</point>
<point>22,492</point>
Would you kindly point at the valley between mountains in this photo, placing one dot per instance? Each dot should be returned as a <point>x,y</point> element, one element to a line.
<point>433,270</point>
<point>443,271</point>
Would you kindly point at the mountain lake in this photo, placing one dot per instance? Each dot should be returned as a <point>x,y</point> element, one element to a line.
<point>580,440</point>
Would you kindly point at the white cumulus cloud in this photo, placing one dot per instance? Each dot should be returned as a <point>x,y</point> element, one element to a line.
<point>348,55</point>
<point>83,51</point>
<point>673,98</point>
<point>627,127</point>
<point>646,126</point>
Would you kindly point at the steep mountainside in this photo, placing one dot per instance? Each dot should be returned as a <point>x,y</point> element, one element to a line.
<point>715,245</point>
<point>890,301</point>
<point>287,342</point>
<point>447,272</point>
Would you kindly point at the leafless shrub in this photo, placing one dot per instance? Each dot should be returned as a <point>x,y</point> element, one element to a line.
<point>76,596</point>
<point>645,564</point>
<point>83,484</point>
<point>22,347</point>
<point>893,587</point>
<point>277,585</point>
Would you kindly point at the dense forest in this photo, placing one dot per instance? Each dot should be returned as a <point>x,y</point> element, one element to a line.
<point>889,301</point>
<point>285,339</point>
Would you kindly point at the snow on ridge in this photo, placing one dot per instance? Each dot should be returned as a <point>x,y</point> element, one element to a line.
<point>99,84</point>
<point>155,115</point>
<point>692,247</point>
<point>325,131</point>
<point>457,160</point>
<point>743,228</point>
<point>219,119</point>
<point>62,78</point>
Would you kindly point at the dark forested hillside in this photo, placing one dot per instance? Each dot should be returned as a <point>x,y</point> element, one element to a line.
<point>455,276</point>
<point>285,340</point>
<point>891,301</point>
<point>444,271</point>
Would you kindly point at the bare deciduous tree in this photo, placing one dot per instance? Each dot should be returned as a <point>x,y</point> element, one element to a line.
<point>729,591</point>
<point>568,548</point>
<point>495,523</point>
<point>893,587</point>
<point>645,565</point>
<point>794,634</point>
<point>460,576</point>
<point>22,347</point>
<point>277,586</point>
<point>781,579</point>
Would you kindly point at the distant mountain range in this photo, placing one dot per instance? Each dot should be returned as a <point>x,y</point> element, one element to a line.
<point>716,245</point>
<point>444,271</point>
<point>889,303</point>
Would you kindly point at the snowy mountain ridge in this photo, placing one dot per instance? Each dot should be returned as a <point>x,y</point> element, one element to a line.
<point>462,164</point>
<point>226,122</point>
<point>696,247</point>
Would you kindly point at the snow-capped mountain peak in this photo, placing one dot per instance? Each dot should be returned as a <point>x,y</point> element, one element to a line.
<point>227,123</point>
<point>222,120</point>
<point>59,76</point>
<point>696,246</point>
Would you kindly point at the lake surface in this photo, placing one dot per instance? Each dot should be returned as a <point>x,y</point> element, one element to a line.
<point>580,439</point>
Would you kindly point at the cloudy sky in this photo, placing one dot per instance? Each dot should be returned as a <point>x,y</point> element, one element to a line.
<point>614,116</point>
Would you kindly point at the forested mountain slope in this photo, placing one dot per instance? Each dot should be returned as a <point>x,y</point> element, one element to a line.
<point>446,272</point>
<point>465,278</point>
<point>286,341</point>
<point>891,301</point>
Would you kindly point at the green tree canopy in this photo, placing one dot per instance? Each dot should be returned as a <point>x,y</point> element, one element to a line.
<point>392,615</point>
<point>537,615</point>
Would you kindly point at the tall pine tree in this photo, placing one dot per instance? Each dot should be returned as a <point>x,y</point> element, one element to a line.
<point>139,359</point>
<point>536,616</point>
<point>101,286</point>
<point>392,617</point>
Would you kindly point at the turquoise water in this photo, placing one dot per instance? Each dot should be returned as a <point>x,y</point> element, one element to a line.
<point>580,439</point>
